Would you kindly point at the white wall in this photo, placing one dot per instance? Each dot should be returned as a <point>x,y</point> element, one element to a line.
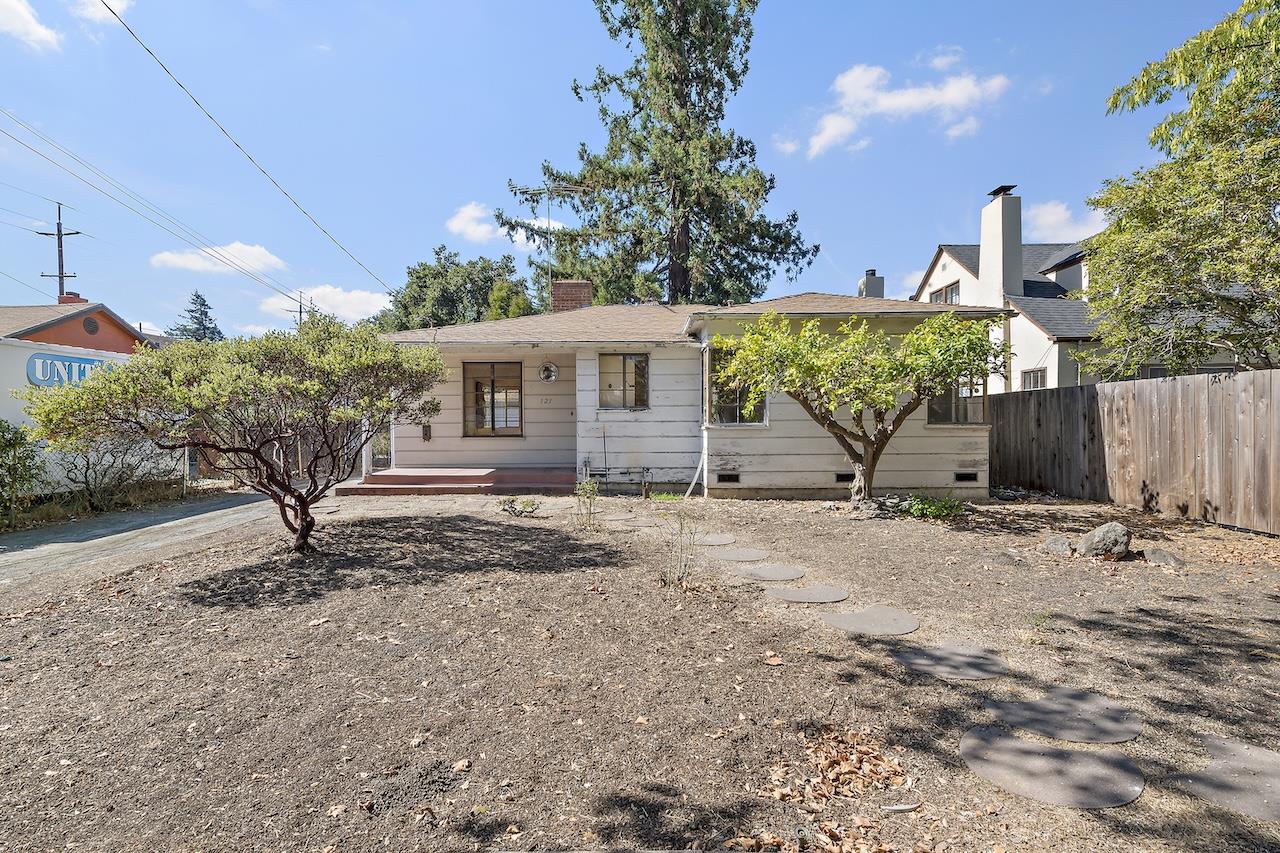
<point>948,271</point>
<point>666,437</point>
<point>1032,349</point>
<point>15,355</point>
<point>549,435</point>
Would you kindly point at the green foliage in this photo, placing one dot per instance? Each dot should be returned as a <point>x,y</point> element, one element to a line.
<point>21,467</point>
<point>523,508</point>
<point>585,492</point>
<point>666,496</point>
<point>674,202</point>
<point>285,414</point>
<point>1188,267</point>
<point>198,323</point>
<point>928,506</point>
<point>858,384</point>
<point>449,290</point>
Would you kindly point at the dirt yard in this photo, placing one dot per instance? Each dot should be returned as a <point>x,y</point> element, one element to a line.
<point>445,677</point>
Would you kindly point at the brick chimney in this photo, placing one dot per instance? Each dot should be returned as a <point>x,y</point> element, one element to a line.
<point>72,298</point>
<point>567,294</point>
<point>871,285</point>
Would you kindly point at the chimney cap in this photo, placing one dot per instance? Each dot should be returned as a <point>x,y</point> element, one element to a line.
<point>871,272</point>
<point>1003,189</point>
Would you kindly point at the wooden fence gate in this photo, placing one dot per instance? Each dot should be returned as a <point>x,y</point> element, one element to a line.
<point>1205,446</point>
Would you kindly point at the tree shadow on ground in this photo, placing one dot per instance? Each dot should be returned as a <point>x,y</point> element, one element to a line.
<point>396,551</point>
<point>1068,518</point>
<point>660,816</point>
<point>1181,670</point>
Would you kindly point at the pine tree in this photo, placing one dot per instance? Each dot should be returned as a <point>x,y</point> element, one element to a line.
<point>198,323</point>
<point>674,202</point>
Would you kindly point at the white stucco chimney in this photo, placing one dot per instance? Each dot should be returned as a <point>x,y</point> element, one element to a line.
<point>1000,247</point>
<point>871,285</point>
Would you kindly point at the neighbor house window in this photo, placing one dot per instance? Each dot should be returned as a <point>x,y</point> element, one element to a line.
<point>964,404</point>
<point>1033,380</point>
<point>491,402</point>
<point>949,294</point>
<point>624,381</point>
<point>727,403</point>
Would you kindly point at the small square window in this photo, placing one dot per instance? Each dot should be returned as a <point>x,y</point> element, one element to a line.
<point>963,404</point>
<point>1034,380</point>
<point>624,381</point>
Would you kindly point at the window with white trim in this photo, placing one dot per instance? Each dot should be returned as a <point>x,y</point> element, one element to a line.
<point>624,380</point>
<point>963,404</point>
<point>491,404</point>
<point>949,295</point>
<point>1033,380</point>
<point>727,403</point>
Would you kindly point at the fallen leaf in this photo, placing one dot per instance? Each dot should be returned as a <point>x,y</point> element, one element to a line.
<point>772,659</point>
<point>314,622</point>
<point>462,766</point>
<point>336,810</point>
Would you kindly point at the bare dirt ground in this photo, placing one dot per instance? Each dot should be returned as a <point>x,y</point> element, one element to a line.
<point>444,677</point>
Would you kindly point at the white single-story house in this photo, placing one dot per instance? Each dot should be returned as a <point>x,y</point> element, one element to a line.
<point>626,394</point>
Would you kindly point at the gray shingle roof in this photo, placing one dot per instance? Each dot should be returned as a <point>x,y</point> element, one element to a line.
<point>1035,257</point>
<point>646,323</point>
<point>844,305</point>
<point>1065,257</point>
<point>1061,319</point>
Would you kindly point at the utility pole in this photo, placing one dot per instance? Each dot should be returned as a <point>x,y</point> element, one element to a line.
<point>62,275</point>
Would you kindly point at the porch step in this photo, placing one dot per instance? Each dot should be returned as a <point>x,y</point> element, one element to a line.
<point>480,481</point>
<point>452,489</point>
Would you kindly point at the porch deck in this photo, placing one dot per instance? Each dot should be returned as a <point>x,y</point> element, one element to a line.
<point>463,481</point>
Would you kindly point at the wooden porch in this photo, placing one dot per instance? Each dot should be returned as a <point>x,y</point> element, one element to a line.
<point>463,481</point>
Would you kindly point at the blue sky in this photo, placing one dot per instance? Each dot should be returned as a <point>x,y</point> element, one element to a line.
<point>398,124</point>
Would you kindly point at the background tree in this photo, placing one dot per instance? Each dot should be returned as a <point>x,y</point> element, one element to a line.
<point>198,323</point>
<point>1188,267</point>
<point>449,290</point>
<point>285,414</point>
<point>858,384</point>
<point>21,467</point>
<point>674,202</point>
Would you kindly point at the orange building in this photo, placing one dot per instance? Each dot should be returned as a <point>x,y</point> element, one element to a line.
<point>90,325</point>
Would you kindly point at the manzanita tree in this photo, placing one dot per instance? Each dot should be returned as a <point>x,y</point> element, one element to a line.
<point>859,383</point>
<point>285,414</point>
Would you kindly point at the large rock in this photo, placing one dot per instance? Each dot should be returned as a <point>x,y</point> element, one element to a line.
<point>1107,542</point>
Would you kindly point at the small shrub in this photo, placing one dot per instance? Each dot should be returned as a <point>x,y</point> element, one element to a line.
<point>666,496</point>
<point>523,508</point>
<point>584,512</point>
<point>21,469</point>
<point>676,573</point>
<point>927,506</point>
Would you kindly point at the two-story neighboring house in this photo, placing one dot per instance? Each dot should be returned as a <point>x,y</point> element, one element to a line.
<point>1031,279</point>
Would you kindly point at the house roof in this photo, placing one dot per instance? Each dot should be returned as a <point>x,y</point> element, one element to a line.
<point>644,323</point>
<point>19,319</point>
<point>843,305</point>
<point>1069,256</point>
<point>1059,318</point>
<point>1035,259</point>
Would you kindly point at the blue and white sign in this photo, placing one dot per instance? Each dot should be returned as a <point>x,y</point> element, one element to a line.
<point>48,369</point>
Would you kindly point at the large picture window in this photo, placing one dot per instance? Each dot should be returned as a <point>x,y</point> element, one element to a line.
<point>964,404</point>
<point>491,403</point>
<point>624,381</point>
<point>726,405</point>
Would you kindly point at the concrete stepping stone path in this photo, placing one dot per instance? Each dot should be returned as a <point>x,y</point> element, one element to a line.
<point>714,539</point>
<point>757,572</point>
<point>1070,714</point>
<point>816,594</point>
<point>1240,777</point>
<point>618,516</point>
<point>740,555</point>
<point>1082,779</point>
<point>641,522</point>
<point>952,662</point>
<point>878,620</point>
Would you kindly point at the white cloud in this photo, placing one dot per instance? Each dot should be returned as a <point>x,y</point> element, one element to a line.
<point>347,305</point>
<point>967,126</point>
<point>255,257</point>
<point>863,91</point>
<point>19,20</point>
<point>474,222</point>
<point>785,145</point>
<point>907,284</point>
<point>1053,222</point>
<point>95,12</point>
<point>858,145</point>
<point>945,56</point>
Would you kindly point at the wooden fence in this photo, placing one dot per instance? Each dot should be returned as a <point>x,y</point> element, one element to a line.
<point>1204,446</point>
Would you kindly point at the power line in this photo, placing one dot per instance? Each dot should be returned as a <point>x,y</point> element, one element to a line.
<point>208,247</point>
<point>20,227</point>
<point>242,150</point>
<point>211,251</point>
<point>36,194</point>
<point>23,215</point>
<point>28,286</point>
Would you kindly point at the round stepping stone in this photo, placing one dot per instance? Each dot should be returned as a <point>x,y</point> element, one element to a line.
<point>641,522</point>
<point>1069,714</point>
<point>758,572</point>
<point>878,620</point>
<point>1240,777</point>
<point>711,539</point>
<point>817,594</point>
<point>963,663</point>
<point>1082,779</point>
<point>618,516</point>
<point>740,555</point>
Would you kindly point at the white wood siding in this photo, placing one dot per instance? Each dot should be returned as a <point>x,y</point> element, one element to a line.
<point>666,437</point>
<point>795,454</point>
<point>549,434</point>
